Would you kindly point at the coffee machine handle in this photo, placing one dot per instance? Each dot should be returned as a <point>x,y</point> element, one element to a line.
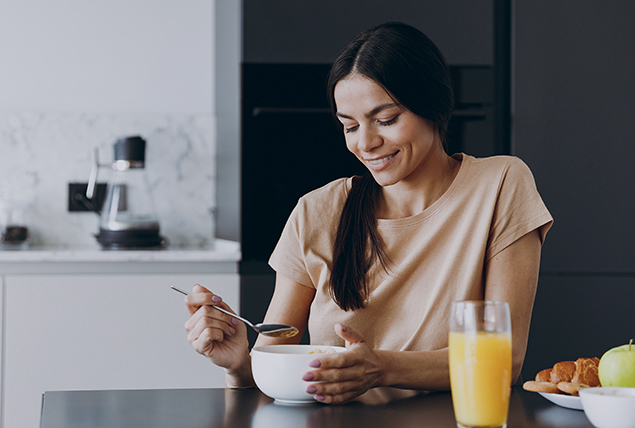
<point>92,181</point>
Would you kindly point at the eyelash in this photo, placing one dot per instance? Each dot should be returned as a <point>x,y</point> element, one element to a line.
<point>388,122</point>
<point>381,123</point>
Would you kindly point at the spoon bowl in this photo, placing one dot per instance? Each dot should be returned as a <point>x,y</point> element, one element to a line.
<point>272,330</point>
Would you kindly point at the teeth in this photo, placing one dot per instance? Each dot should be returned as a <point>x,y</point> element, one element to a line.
<point>378,161</point>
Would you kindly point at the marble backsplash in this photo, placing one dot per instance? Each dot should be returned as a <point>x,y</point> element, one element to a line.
<point>41,152</point>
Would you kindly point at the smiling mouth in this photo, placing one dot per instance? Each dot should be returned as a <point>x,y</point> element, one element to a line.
<point>381,160</point>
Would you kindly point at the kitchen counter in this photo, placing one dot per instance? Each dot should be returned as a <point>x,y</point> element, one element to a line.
<point>221,250</point>
<point>223,255</point>
<point>86,305</point>
<point>250,408</point>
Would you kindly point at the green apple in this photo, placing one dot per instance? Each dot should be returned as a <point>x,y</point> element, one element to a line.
<point>617,366</point>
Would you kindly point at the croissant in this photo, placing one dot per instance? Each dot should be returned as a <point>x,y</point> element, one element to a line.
<point>586,371</point>
<point>563,371</point>
<point>566,377</point>
<point>544,375</point>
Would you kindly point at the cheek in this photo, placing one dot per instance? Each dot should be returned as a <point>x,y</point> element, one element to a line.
<point>350,145</point>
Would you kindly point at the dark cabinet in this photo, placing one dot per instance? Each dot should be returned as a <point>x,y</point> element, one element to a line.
<point>573,112</point>
<point>290,146</point>
<point>314,32</point>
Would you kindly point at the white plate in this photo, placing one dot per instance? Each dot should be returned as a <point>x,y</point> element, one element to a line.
<point>568,401</point>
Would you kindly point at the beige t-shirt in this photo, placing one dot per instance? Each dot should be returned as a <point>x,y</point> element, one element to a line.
<point>437,256</point>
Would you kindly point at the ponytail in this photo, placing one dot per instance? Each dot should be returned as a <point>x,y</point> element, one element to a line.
<point>357,245</point>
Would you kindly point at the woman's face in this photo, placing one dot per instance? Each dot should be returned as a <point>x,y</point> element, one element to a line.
<point>391,141</point>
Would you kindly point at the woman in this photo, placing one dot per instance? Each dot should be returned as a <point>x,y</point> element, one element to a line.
<point>373,262</point>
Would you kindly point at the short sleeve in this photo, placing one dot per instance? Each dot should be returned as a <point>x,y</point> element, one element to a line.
<point>519,209</point>
<point>305,248</point>
<point>287,257</point>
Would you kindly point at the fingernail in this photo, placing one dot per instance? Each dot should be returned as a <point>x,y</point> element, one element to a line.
<point>308,377</point>
<point>319,397</point>
<point>235,321</point>
<point>231,330</point>
<point>315,363</point>
<point>216,299</point>
<point>311,389</point>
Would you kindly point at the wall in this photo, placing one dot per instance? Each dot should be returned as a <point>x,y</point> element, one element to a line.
<point>282,31</point>
<point>573,113</point>
<point>77,75</point>
<point>228,51</point>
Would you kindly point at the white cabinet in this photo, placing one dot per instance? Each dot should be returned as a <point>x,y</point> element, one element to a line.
<point>107,331</point>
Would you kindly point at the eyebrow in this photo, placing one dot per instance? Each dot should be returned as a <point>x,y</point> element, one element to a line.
<point>371,113</point>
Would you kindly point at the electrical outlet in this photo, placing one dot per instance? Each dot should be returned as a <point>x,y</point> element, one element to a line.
<point>77,200</point>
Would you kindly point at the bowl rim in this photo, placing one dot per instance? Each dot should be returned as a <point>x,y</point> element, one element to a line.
<point>601,391</point>
<point>270,349</point>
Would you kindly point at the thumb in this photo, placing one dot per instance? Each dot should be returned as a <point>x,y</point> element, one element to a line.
<point>349,334</point>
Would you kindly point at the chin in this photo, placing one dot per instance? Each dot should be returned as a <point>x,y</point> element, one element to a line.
<point>383,180</point>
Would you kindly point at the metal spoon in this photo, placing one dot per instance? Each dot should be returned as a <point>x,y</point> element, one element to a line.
<point>274,330</point>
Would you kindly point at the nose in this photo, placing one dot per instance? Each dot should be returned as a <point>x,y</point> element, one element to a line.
<point>368,139</point>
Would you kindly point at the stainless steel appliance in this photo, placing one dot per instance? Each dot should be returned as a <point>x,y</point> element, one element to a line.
<point>127,218</point>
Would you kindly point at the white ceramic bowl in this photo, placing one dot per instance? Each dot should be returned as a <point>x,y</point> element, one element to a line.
<point>278,370</point>
<point>609,407</point>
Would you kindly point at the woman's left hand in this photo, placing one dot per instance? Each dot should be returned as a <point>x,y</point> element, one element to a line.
<point>345,375</point>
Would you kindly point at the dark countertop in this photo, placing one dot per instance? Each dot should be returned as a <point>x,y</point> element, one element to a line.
<point>206,408</point>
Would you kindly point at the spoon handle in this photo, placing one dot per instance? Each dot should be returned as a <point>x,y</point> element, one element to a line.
<point>220,309</point>
<point>235,316</point>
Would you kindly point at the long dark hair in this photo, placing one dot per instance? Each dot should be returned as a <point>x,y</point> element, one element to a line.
<point>412,70</point>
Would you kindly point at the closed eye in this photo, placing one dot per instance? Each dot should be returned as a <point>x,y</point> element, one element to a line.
<point>388,122</point>
<point>351,129</point>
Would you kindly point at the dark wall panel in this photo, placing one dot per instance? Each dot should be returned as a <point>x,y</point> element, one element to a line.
<point>315,31</point>
<point>574,113</point>
<point>574,104</point>
<point>579,317</point>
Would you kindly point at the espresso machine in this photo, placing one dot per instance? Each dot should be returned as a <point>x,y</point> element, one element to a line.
<point>127,218</point>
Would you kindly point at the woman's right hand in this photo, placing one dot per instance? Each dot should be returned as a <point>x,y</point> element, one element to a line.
<point>218,336</point>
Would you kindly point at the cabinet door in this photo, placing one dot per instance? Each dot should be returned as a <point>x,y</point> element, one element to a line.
<point>573,119</point>
<point>86,332</point>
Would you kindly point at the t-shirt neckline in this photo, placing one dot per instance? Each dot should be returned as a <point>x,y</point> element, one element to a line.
<point>466,161</point>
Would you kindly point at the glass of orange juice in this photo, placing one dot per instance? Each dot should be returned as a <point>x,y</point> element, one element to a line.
<point>480,362</point>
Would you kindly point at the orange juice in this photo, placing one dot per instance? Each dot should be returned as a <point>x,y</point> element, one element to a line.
<point>480,377</point>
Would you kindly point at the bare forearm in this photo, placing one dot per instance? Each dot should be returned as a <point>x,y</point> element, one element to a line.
<point>426,370</point>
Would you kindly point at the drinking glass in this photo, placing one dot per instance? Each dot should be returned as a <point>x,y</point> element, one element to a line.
<point>480,352</point>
